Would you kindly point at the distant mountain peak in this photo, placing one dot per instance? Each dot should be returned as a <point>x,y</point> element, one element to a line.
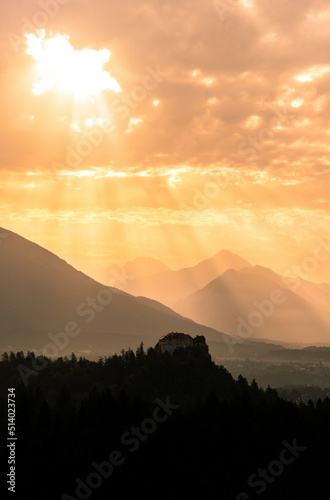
<point>228,254</point>
<point>269,306</point>
<point>145,266</point>
<point>169,286</point>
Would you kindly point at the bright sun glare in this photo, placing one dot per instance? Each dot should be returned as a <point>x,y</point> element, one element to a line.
<point>63,68</point>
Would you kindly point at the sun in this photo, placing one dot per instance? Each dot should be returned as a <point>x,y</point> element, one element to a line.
<point>63,68</point>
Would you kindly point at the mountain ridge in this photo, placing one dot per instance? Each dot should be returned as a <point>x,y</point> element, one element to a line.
<point>40,293</point>
<point>240,297</point>
<point>179,283</point>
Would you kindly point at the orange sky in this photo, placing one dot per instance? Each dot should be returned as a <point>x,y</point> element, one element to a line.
<point>218,139</point>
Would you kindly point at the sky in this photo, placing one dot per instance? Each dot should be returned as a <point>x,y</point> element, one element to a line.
<point>169,129</point>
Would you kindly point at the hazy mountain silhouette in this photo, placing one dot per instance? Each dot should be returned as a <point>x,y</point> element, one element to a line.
<point>40,293</point>
<point>170,286</point>
<point>145,266</point>
<point>299,313</point>
<point>116,275</point>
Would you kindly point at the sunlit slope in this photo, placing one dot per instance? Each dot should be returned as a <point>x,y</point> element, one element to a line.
<point>255,302</point>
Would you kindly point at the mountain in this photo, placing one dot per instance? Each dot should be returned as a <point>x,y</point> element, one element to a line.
<point>118,276</point>
<point>170,286</point>
<point>317,294</point>
<point>255,302</point>
<point>145,266</point>
<point>41,296</point>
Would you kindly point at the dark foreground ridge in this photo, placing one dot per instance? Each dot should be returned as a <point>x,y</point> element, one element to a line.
<point>154,425</point>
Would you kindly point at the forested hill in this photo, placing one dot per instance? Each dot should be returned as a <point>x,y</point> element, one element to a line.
<point>152,425</point>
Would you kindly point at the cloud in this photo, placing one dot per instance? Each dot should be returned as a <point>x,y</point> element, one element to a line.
<point>217,77</point>
<point>245,98</point>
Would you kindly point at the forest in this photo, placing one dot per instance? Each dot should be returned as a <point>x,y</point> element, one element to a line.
<point>147,423</point>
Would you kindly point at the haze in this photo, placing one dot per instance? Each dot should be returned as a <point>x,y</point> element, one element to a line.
<point>212,135</point>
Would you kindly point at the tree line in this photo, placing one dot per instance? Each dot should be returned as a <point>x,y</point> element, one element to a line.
<point>75,412</point>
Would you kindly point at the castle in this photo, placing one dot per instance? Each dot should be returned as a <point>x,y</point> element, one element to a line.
<point>175,340</point>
